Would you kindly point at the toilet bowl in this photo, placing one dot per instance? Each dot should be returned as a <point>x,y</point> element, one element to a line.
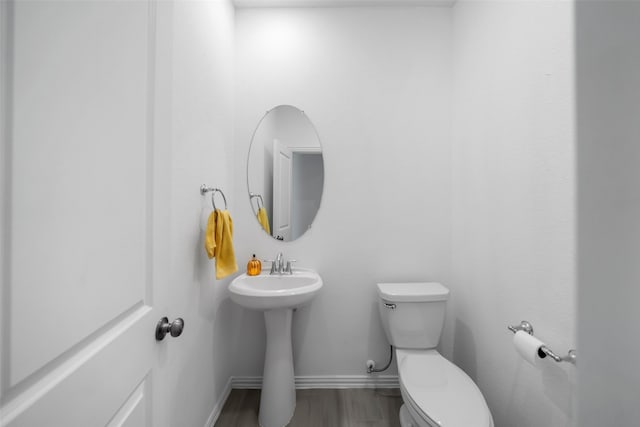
<point>435,392</point>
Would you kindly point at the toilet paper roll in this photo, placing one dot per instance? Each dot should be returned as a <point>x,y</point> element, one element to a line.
<point>528,347</point>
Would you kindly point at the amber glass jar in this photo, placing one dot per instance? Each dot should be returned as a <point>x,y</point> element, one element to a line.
<point>254,266</point>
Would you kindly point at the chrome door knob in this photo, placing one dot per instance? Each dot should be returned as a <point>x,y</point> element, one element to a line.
<point>174,328</point>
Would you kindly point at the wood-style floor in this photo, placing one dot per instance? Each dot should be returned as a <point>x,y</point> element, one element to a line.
<point>320,408</point>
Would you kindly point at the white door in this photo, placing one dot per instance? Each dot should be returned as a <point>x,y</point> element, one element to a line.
<point>282,172</point>
<point>79,188</point>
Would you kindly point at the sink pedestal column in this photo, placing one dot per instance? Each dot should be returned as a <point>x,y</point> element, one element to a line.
<point>278,397</point>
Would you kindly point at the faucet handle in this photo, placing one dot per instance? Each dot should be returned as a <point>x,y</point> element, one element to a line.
<point>273,265</point>
<point>289,267</point>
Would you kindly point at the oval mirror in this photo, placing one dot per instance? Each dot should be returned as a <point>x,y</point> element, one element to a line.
<point>285,173</point>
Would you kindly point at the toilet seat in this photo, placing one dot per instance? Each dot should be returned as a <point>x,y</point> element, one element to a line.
<point>440,392</point>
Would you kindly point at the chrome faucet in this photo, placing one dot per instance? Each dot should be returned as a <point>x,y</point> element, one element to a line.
<point>279,266</point>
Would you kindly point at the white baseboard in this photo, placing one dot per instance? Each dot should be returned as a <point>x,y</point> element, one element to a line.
<point>347,381</point>
<point>326,381</point>
<point>246,382</point>
<point>217,408</point>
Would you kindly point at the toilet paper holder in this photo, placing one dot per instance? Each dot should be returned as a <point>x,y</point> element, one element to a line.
<point>544,351</point>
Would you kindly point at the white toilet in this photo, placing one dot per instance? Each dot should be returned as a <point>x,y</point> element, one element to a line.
<point>436,393</point>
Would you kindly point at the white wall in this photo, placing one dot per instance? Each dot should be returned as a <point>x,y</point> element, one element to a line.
<point>513,204</point>
<point>201,106</point>
<point>608,107</point>
<point>293,128</point>
<point>376,84</point>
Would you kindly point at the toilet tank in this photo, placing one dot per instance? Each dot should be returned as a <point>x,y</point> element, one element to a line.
<point>412,313</point>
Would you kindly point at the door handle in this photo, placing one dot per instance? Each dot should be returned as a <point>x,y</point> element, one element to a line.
<point>174,328</point>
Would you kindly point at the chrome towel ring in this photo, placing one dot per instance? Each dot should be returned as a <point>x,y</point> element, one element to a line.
<point>259,200</point>
<point>204,189</point>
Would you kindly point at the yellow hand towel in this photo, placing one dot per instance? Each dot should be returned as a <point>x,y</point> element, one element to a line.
<point>210,235</point>
<point>218,242</point>
<point>263,219</point>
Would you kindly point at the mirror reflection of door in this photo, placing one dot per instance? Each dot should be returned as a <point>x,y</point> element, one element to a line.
<point>282,174</point>
<point>285,173</point>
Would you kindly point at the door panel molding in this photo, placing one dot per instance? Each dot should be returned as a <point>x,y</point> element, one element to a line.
<point>150,144</point>
<point>57,369</point>
<point>25,396</point>
<point>6,41</point>
<point>133,411</point>
<point>56,386</point>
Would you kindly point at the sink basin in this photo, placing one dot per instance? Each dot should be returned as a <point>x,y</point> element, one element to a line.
<point>272,292</point>
<point>276,296</point>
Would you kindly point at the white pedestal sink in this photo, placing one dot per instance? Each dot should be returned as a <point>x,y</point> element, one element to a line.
<point>277,296</point>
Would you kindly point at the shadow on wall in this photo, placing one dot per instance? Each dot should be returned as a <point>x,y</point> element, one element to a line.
<point>556,379</point>
<point>558,387</point>
<point>213,292</point>
<point>216,370</point>
<point>299,327</point>
<point>314,350</point>
<point>464,349</point>
<point>221,338</point>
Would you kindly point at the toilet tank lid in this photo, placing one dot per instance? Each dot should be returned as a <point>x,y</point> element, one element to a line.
<point>413,291</point>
